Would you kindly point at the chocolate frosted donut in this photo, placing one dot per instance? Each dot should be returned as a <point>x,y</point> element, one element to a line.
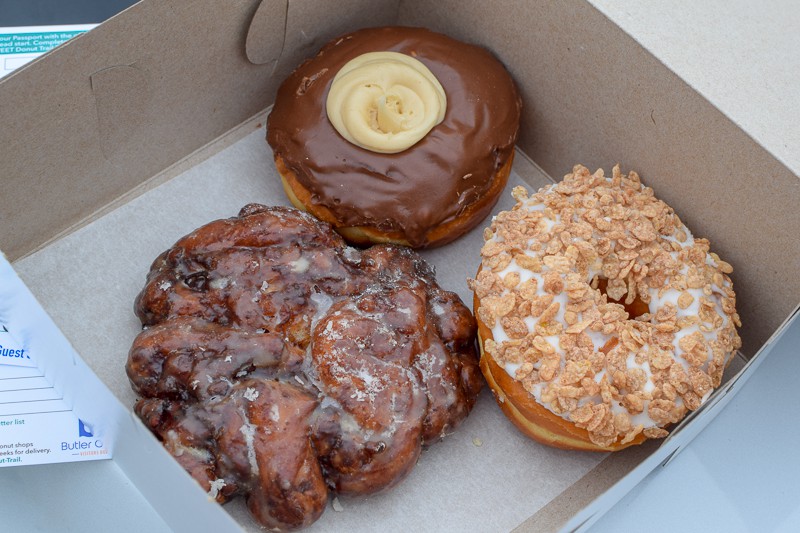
<point>425,195</point>
<point>278,363</point>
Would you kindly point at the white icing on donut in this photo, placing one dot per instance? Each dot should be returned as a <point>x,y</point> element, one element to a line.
<point>543,211</point>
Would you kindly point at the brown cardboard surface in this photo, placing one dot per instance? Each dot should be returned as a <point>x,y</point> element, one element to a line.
<point>267,32</point>
<point>752,81</point>
<point>118,124</point>
<point>312,23</point>
<point>94,126</point>
<point>55,170</point>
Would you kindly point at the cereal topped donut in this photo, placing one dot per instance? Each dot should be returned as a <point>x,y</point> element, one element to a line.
<point>280,364</point>
<point>397,135</point>
<point>602,320</point>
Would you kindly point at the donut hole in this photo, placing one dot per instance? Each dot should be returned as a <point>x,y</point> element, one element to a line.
<point>635,309</point>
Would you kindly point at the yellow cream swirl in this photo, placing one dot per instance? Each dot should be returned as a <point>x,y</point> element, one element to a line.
<point>385,101</point>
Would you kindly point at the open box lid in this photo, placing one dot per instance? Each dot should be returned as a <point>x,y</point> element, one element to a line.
<point>120,109</point>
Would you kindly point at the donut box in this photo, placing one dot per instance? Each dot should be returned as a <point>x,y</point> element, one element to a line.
<point>128,137</point>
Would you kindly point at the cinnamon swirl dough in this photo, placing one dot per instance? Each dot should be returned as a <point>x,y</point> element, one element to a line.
<point>278,363</point>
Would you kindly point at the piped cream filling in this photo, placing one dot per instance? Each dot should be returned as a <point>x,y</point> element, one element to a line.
<point>385,102</point>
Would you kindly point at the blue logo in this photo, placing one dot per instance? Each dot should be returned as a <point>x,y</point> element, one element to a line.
<point>84,430</point>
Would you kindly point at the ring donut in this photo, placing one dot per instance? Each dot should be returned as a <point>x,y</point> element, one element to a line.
<point>602,320</point>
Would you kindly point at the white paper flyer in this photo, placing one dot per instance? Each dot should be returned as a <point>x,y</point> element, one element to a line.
<point>51,404</point>
<point>19,45</point>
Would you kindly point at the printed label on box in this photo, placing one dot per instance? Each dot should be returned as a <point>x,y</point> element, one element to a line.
<point>23,44</point>
<point>48,437</point>
<point>37,423</point>
<point>12,352</point>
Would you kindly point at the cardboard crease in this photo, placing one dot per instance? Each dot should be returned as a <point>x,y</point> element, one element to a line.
<point>266,34</point>
<point>121,97</point>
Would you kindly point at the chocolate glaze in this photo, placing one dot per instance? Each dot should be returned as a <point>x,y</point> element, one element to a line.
<point>278,363</point>
<point>426,185</point>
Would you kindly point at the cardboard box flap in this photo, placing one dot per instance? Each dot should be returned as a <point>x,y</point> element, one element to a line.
<point>121,96</point>
<point>267,32</point>
<point>115,116</point>
<point>71,145</point>
<point>312,23</point>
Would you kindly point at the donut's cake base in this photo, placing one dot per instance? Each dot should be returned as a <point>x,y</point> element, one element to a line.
<point>439,235</point>
<point>530,417</point>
